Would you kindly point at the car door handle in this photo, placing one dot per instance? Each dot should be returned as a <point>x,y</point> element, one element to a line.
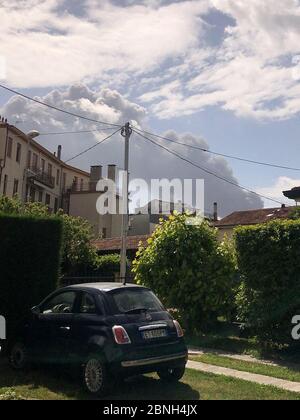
<point>65,328</point>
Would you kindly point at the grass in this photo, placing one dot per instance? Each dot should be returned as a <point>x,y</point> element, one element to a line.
<point>287,373</point>
<point>49,385</point>
<point>226,337</point>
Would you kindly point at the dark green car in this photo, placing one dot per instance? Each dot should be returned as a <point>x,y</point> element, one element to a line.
<point>108,329</point>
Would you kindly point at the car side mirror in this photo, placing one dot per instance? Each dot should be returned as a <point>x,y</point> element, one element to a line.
<point>35,310</point>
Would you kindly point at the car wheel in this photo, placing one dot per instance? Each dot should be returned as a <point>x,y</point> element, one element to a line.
<point>18,357</point>
<point>95,376</point>
<point>171,374</point>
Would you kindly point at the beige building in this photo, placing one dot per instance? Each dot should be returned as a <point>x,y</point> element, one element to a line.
<point>33,173</point>
<point>83,203</point>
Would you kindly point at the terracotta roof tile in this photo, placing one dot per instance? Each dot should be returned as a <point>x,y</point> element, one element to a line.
<point>253,217</point>
<point>114,244</point>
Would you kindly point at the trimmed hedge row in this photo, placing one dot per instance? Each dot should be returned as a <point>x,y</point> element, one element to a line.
<point>30,251</point>
<point>269,263</point>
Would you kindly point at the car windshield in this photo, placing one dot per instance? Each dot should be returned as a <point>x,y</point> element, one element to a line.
<point>135,301</point>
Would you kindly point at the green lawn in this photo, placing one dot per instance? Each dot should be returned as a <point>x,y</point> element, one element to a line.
<point>286,373</point>
<point>226,337</point>
<point>47,385</point>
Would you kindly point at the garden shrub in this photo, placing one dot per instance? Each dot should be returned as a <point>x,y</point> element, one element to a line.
<point>189,270</point>
<point>30,251</point>
<point>269,264</point>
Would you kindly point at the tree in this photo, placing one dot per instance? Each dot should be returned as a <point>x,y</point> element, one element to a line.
<point>77,250</point>
<point>189,270</point>
<point>295,214</point>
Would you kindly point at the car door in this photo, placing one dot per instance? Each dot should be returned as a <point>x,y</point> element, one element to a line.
<point>53,328</point>
<point>89,326</point>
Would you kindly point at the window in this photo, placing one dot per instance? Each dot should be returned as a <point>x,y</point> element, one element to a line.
<point>57,177</point>
<point>9,147</point>
<point>40,196</point>
<point>48,200</point>
<point>130,300</point>
<point>35,161</point>
<point>32,194</point>
<point>29,159</point>
<point>43,165</point>
<point>5,184</point>
<point>88,305</point>
<point>81,184</point>
<point>64,180</point>
<point>16,187</point>
<point>60,304</point>
<point>104,233</point>
<point>18,154</point>
<point>55,205</point>
<point>50,168</point>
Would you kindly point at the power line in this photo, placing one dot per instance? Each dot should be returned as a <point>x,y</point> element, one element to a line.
<point>220,154</point>
<point>72,114</point>
<point>76,132</point>
<point>92,147</point>
<point>207,170</point>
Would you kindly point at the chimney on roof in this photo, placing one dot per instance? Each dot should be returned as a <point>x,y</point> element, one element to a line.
<point>215,212</point>
<point>59,150</point>
<point>111,172</point>
<point>96,173</point>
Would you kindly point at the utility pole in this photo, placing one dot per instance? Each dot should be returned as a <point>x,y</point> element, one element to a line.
<point>126,133</point>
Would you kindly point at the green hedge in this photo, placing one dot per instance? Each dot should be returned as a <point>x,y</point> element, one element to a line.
<point>269,262</point>
<point>29,262</point>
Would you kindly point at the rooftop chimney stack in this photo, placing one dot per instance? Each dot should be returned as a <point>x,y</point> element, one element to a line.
<point>111,172</point>
<point>96,173</point>
<point>59,150</point>
<point>215,212</point>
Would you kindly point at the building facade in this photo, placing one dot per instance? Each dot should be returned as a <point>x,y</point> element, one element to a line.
<point>33,173</point>
<point>83,203</point>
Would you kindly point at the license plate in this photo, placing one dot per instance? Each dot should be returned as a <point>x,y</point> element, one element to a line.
<point>152,334</point>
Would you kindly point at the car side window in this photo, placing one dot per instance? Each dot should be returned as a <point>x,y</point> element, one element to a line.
<point>87,305</point>
<point>60,304</point>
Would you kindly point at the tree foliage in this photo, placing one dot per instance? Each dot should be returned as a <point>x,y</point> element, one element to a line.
<point>189,270</point>
<point>295,214</point>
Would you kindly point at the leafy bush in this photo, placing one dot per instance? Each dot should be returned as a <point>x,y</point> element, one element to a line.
<point>78,250</point>
<point>11,395</point>
<point>108,265</point>
<point>29,260</point>
<point>269,263</point>
<point>189,270</point>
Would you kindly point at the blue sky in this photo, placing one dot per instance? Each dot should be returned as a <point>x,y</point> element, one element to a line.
<point>226,71</point>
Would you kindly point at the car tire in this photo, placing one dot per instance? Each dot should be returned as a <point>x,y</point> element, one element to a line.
<point>95,377</point>
<point>171,374</point>
<point>18,356</point>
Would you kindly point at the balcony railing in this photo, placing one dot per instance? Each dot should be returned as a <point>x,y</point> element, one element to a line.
<point>82,187</point>
<point>85,187</point>
<point>41,176</point>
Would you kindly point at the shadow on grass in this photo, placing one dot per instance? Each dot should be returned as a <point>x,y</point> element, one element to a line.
<point>50,383</point>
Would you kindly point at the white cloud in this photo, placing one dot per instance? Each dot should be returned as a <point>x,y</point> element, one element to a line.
<point>254,72</point>
<point>147,161</point>
<point>47,46</point>
<point>275,191</point>
<point>161,51</point>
